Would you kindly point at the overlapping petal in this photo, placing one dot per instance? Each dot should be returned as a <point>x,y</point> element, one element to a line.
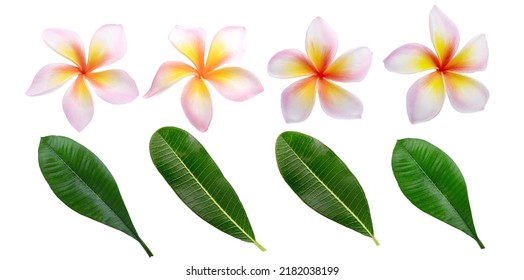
<point>168,74</point>
<point>338,102</point>
<point>290,63</point>
<point>352,66</point>
<point>107,46</point>
<point>411,58</point>
<point>466,95</point>
<point>227,45</point>
<point>191,42</point>
<point>425,98</point>
<point>321,44</point>
<point>113,86</point>
<point>235,83</point>
<point>472,58</point>
<point>51,77</point>
<point>297,100</point>
<point>444,35</point>
<point>66,43</point>
<point>196,104</point>
<point>78,104</point>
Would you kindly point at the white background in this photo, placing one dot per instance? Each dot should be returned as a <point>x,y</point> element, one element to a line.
<point>40,238</point>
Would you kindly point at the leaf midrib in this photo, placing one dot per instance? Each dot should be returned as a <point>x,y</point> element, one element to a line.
<point>435,186</point>
<point>330,191</point>
<point>92,191</point>
<point>207,193</point>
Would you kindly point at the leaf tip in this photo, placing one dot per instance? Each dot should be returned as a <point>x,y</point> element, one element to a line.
<point>375,240</point>
<point>259,246</point>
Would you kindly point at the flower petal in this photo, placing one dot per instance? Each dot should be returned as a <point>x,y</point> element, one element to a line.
<point>411,58</point>
<point>444,35</point>
<point>113,86</point>
<point>196,103</point>
<point>228,44</point>
<point>66,43</point>
<point>321,44</point>
<point>107,46</point>
<point>352,66</point>
<point>78,104</point>
<point>235,83</point>
<point>290,63</point>
<point>338,102</point>
<point>425,98</point>
<point>298,99</point>
<point>191,42</point>
<point>51,77</point>
<point>466,95</point>
<point>472,58</point>
<point>168,74</point>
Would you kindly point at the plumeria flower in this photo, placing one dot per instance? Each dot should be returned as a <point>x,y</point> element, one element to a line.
<point>234,83</point>
<point>318,69</point>
<point>114,86</point>
<point>426,96</point>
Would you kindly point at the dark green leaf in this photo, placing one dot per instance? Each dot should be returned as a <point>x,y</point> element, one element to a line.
<point>430,179</point>
<point>197,180</point>
<point>83,183</point>
<point>318,176</point>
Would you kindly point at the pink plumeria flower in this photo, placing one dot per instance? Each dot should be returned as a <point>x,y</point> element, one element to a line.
<point>234,83</point>
<point>426,96</point>
<point>319,67</point>
<point>114,86</point>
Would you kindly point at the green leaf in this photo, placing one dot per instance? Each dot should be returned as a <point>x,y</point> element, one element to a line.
<point>318,176</point>
<point>430,179</point>
<point>196,179</point>
<point>83,183</point>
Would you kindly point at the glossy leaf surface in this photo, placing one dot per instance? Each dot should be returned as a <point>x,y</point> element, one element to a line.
<point>322,180</point>
<point>83,183</point>
<point>432,181</point>
<point>196,179</point>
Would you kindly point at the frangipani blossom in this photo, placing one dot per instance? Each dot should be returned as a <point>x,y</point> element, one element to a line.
<point>426,96</point>
<point>319,68</point>
<point>114,86</point>
<point>234,83</point>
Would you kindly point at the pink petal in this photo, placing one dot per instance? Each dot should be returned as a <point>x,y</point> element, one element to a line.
<point>352,66</point>
<point>467,95</point>
<point>472,58</point>
<point>298,99</point>
<point>191,42</point>
<point>168,74</point>
<point>321,44</point>
<point>108,45</point>
<point>196,103</point>
<point>113,86</point>
<point>338,102</point>
<point>66,43</point>
<point>444,35</point>
<point>290,63</point>
<point>78,104</point>
<point>227,45</point>
<point>235,83</point>
<point>411,58</point>
<point>51,77</point>
<point>425,98</point>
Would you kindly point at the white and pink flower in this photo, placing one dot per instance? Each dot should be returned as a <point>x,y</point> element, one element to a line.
<point>318,69</point>
<point>114,86</point>
<point>234,83</point>
<point>425,97</point>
